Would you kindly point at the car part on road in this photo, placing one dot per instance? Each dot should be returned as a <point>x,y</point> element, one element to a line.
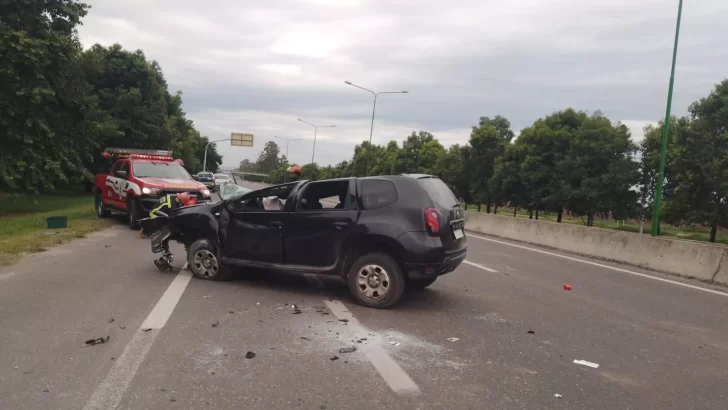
<point>347,349</point>
<point>557,395</point>
<point>335,358</point>
<point>202,260</point>
<point>567,287</point>
<point>97,341</point>
<point>452,339</point>
<point>376,280</point>
<point>250,355</point>
<point>585,363</point>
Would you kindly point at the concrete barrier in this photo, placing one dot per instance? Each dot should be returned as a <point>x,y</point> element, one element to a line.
<point>705,262</point>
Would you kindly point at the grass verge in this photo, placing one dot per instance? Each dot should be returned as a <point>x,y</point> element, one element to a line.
<point>23,222</point>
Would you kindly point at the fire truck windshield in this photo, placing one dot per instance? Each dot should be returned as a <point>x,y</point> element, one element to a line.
<point>160,170</point>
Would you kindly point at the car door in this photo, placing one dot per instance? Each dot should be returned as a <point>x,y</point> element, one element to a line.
<point>251,233</point>
<point>111,189</point>
<point>313,235</point>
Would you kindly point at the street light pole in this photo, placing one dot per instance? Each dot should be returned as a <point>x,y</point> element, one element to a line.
<point>288,142</point>
<point>371,128</point>
<point>315,131</point>
<point>204,161</point>
<point>666,131</point>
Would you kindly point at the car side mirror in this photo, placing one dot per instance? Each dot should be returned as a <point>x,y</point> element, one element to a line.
<point>121,174</point>
<point>196,178</point>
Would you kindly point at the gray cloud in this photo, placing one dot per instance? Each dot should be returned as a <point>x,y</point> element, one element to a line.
<point>247,67</point>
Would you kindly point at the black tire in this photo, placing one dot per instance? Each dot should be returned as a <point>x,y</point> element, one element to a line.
<point>203,261</point>
<point>134,210</point>
<point>383,291</point>
<point>101,210</point>
<point>419,284</point>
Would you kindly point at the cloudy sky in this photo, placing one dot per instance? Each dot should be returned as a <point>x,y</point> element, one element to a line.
<point>258,66</point>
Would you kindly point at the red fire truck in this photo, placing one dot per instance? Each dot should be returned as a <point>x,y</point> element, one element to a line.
<point>138,178</point>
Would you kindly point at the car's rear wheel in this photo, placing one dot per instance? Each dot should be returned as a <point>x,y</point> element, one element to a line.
<point>134,210</point>
<point>416,284</point>
<point>202,260</point>
<point>375,280</point>
<point>101,210</point>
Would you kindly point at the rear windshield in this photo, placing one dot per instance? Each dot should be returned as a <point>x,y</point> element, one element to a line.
<point>160,170</point>
<point>440,194</point>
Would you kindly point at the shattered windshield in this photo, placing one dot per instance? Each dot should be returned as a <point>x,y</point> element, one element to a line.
<point>230,190</point>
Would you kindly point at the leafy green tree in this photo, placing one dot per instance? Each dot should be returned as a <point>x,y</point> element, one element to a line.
<point>268,159</point>
<point>488,142</point>
<point>451,169</point>
<point>48,118</point>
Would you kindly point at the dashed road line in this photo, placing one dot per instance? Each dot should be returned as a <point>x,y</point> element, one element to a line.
<point>110,391</point>
<point>601,265</point>
<point>479,266</point>
<point>393,375</point>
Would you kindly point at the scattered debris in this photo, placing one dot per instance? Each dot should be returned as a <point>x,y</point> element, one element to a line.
<point>335,358</point>
<point>452,339</point>
<point>113,358</point>
<point>216,323</point>
<point>147,329</point>
<point>163,389</point>
<point>325,314</point>
<point>347,349</point>
<point>305,338</point>
<point>585,363</point>
<point>107,246</point>
<point>111,320</point>
<point>567,287</point>
<point>45,390</point>
<point>322,406</point>
<point>28,372</point>
<point>257,304</point>
<point>395,343</point>
<point>96,341</point>
<point>293,306</point>
<point>231,311</point>
<point>530,332</point>
<point>249,355</point>
<point>557,395</point>
<point>297,311</point>
<point>173,400</point>
<point>122,327</point>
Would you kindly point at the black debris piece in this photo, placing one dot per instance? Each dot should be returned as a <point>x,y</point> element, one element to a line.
<point>147,329</point>
<point>231,311</point>
<point>111,320</point>
<point>329,321</point>
<point>343,320</point>
<point>113,358</point>
<point>27,372</point>
<point>297,311</point>
<point>305,338</point>
<point>322,406</point>
<point>249,355</point>
<point>216,323</point>
<point>163,389</point>
<point>107,246</point>
<point>97,341</point>
<point>325,314</point>
<point>347,349</point>
<point>346,361</point>
<point>335,358</point>
<point>530,332</point>
<point>173,400</point>
<point>122,327</point>
<point>45,390</point>
<point>358,341</point>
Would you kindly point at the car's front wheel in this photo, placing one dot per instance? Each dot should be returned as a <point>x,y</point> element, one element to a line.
<point>375,280</point>
<point>415,284</point>
<point>101,210</point>
<point>202,260</point>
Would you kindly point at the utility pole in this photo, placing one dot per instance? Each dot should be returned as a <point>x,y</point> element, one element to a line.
<point>288,142</point>
<point>315,131</point>
<point>204,161</point>
<point>666,131</point>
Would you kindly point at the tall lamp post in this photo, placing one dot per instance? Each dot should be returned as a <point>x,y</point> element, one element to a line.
<point>371,129</point>
<point>204,161</point>
<point>666,131</point>
<point>315,131</point>
<point>288,142</point>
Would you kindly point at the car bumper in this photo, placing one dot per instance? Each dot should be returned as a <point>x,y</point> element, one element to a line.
<point>426,258</point>
<point>149,202</point>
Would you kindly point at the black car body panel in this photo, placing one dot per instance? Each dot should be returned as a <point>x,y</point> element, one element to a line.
<point>308,234</point>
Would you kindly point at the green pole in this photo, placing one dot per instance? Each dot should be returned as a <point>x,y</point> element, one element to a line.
<point>666,131</point>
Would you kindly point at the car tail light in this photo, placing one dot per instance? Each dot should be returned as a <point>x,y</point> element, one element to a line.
<point>432,220</point>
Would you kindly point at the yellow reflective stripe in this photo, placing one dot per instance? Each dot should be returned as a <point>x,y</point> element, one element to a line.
<point>167,204</point>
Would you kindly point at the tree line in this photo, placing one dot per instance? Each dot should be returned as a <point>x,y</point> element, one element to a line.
<point>569,161</point>
<point>61,106</point>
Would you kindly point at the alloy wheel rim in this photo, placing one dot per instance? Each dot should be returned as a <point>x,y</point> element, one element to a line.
<point>205,263</point>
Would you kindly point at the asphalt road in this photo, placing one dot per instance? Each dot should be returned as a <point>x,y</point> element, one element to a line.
<point>659,345</point>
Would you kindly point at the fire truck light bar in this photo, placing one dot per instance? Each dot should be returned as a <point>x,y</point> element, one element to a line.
<point>151,154</point>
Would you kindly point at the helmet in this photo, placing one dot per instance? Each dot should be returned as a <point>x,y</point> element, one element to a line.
<point>184,198</point>
<point>294,169</point>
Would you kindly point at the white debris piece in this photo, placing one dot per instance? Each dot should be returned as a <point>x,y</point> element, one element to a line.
<point>452,339</point>
<point>585,363</point>
<point>395,343</point>
<point>557,395</point>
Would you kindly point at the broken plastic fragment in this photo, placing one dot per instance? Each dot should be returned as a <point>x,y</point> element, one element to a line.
<point>395,343</point>
<point>347,349</point>
<point>452,339</point>
<point>585,363</point>
<point>557,395</point>
<point>335,358</point>
<point>147,329</point>
<point>96,341</point>
<point>249,355</point>
<point>530,332</point>
<point>215,323</point>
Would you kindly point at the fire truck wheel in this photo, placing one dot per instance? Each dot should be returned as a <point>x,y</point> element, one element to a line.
<point>101,210</point>
<point>133,209</point>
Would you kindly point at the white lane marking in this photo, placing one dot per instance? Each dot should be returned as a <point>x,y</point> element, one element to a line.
<point>601,265</point>
<point>110,391</point>
<point>393,375</point>
<point>314,280</point>
<point>479,266</point>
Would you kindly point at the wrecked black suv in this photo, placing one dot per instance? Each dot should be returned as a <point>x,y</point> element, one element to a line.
<point>382,234</point>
